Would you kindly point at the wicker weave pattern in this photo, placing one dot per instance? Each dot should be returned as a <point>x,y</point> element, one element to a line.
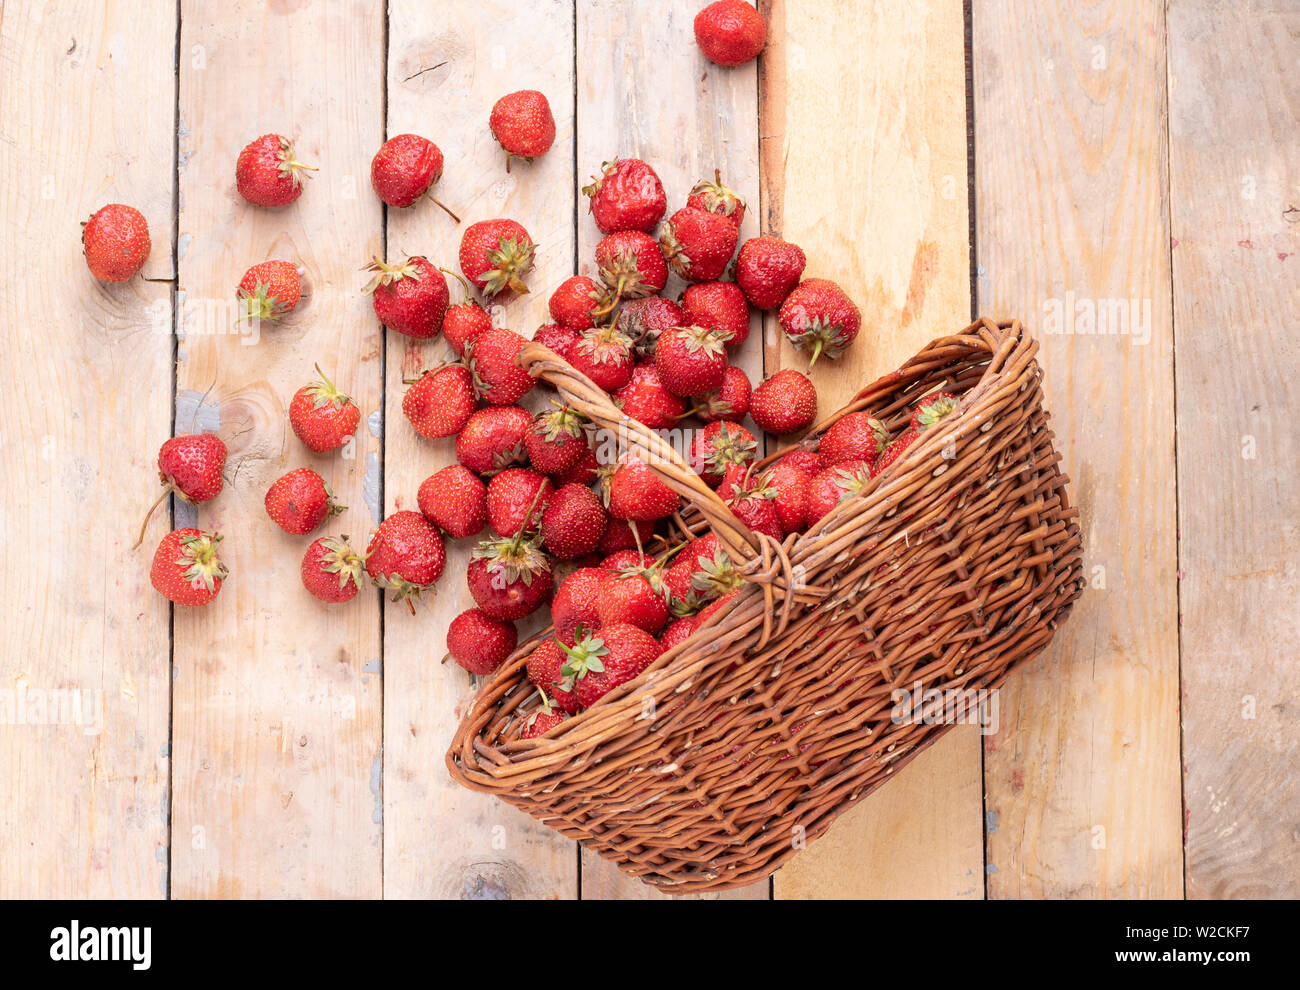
<point>951,568</point>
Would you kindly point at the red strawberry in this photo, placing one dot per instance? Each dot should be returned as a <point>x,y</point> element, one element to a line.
<point>496,255</point>
<point>516,499</point>
<point>697,245</point>
<point>441,402</point>
<point>269,290</point>
<point>601,662</point>
<point>633,492</point>
<point>115,241</point>
<point>190,466</point>
<point>491,357</point>
<point>627,560</point>
<point>573,522</point>
<point>786,403</point>
<point>556,441</point>
<point>768,269</point>
<point>544,665</point>
<point>754,504</point>
<point>300,501</point>
<point>405,556</point>
<point>931,410</point>
<point>623,535</point>
<point>719,605</point>
<point>857,436</point>
<point>688,574</point>
<point>464,321</point>
<point>677,631</point>
<point>494,438</point>
<point>186,569</point>
<point>480,643</point>
<point>832,485</point>
<point>790,485</point>
<point>560,339</point>
<point>605,356</point>
<point>714,197</point>
<point>322,417</point>
<point>573,302</point>
<point>523,125</point>
<point>645,399</point>
<point>455,500</point>
<point>584,472</point>
<point>630,263</point>
<point>331,570</point>
<point>268,174</point>
<point>631,597</point>
<point>717,445</point>
<point>410,298</point>
<point>895,450</point>
<point>542,719</point>
<point>691,360</point>
<point>730,32</point>
<point>643,320</point>
<point>627,195</point>
<point>575,605</point>
<point>509,577</point>
<point>405,168</point>
<point>818,317</point>
<point>719,306</point>
<point>808,461</point>
<point>730,402</point>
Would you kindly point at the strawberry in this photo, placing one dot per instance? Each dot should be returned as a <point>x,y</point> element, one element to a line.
<point>627,195</point>
<point>718,605</point>
<point>573,522</point>
<point>768,269</point>
<point>542,719</point>
<point>300,501</point>
<point>441,401</point>
<point>509,577</point>
<point>544,665</point>
<point>697,245</point>
<point>322,417</point>
<point>734,478</point>
<point>605,356</point>
<point>190,466</point>
<point>516,499</point>
<point>643,320</point>
<point>897,447</point>
<point>405,168</point>
<point>688,574</point>
<point>600,663</point>
<point>730,401</point>
<point>560,339</point>
<point>269,291</point>
<point>714,197</point>
<point>494,438</point>
<point>465,320</point>
<point>455,500</point>
<point>630,263</point>
<point>480,643</point>
<point>790,485</point>
<point>808,461</point>
<point>719,306</point>
<point>622,535</point>
<point>267,173</point>
<point>785,403</point>
<point>498,379</point>
<point>496,255</point>
<point>931,410</point>
<point>691,360</point>
<point>405,556</point>
<point>633,492</point>
<point>645,399</point>
<point>410,298</point>
<point>627,560</point>
<point>717,445</point>
<point>754,504</point>
<point>556,441</point>
<point>115,241</point>
<point>631,597</point>
<point>186,569</point>
<point>730,32</point>
<point>575,605</point>
<point>677,631</point>
<point>523,125</point>
<point>331,570</point>
<point>857,436</point>
<point>585,472</point>
<point>573,302</point>
<point>818,317</point>
<point>832,485</point>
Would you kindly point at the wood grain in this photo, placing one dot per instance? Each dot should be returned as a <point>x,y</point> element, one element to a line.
<point>867,140</point>
<point>1233,104</point>
<point>277,696</point>
<point>1082,778</point>
<point>86,99</point>
<point>445,70</point>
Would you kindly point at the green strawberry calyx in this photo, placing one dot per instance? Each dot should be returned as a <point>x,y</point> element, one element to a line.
<point>289,165</point>
<point>323,393</point>
<point>341,559</point>
<point>385,274</point>
<point>260,304</point>
<point>510,261</point>
<point>584,656</point>
<point>202,567</point>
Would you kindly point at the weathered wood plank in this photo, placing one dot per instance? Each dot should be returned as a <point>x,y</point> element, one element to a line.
<point>1082,779</point>
<point>1233,104</point>
<point>86,119</point>
<point>278,697</point>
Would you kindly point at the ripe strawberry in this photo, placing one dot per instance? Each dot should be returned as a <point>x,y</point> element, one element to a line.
<point>808,461</point>
<point>768,269</point>
<point>858,436</point>
<point>717,445</point>
<point>560,339</point>
<point>897,447</point>
<point>832,485</point>
<point>300,501</point>
<point>714,197</point>
<point>556,441</point>
<point>542,719</point>
<point>731,401</point>
<point>491,357</point>
<point>331,570</point>
<point>480,643</point>
<point>573,302</point>
<point>267,173</point>
<point>677,631</point>
<point>509,577</point>
<point>115,241</point>
<point>643,320</point>
<point>441,401</point>
<point>405,168</point>
<point>190,466</point>
<point>818,317</point>
<point>790,485</point>
<point>465,320</point>
<point>719,306</point>
<point>627,560</point>
<point>544,665</point>
<point>269,291</point>
<point>186,569</point>
<point>719,605</point>
<point>631,597</point>
<point>691,360</point>
<point>931,410</point>
<point>786,403</point>
<point>322,417</point>
<point>455,500</point>
<point>575,605</point>
<point>702,571</point>
<point>622,535</point>
<point>405,556</point>
<point>516,499</point>
<point>494,438</point>
<point>410,298</point>
<point>573,522</point>
<point>697,245</point>
<point>730,32</point>
<point>645,399</point>
<point>584,472</point>
<point>627,195</point>
<point>496,255</point>
<point>600,663</point>
<point>630,263</point>
<point>523,125</point>
<point>605,356</point>
<point>633,492</point>
<point>754,504</point>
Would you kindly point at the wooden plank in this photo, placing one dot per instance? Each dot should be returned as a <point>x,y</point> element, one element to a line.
<point>872,176</point>
<point>86,119</point>
<point>1233,103</point>
<point>277,697</point>
<point>702,117</point>
<point>446,67</point>
<point>1082,779</point>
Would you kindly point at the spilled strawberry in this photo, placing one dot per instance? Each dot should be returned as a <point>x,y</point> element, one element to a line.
<point>186,569</point>
<point>322,417</point>
<point>331,569</point>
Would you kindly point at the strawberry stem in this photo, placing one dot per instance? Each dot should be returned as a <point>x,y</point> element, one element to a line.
<point>167,490</point>
<point>460,278</point>
<point>444,206</point>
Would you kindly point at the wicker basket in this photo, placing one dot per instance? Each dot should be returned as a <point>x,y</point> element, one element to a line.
<point>951,568</point>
